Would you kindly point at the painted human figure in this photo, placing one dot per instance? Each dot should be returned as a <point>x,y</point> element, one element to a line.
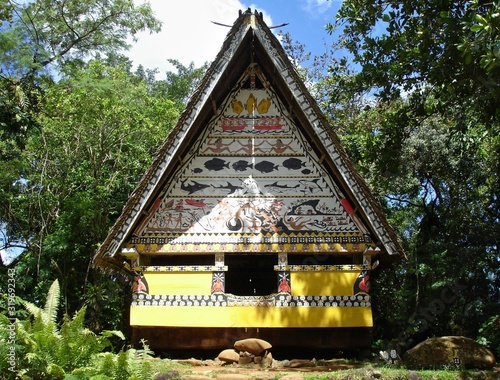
<point>250,147</point>
<point>279,147</point>
<point>178,220</point>
<point>218,146</point>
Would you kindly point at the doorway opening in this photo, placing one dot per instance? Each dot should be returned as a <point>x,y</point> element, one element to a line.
<point>251,275</point>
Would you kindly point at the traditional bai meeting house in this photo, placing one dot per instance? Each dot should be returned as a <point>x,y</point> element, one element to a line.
<point>251,221</point>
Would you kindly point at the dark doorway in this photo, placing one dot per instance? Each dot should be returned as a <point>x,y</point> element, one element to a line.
<point>251,275</point>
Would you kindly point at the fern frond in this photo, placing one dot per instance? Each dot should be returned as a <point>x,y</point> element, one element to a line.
<point>32,308</point>
<point>108,365</point>
<point>55,371</point>
<point>122,366</point>
<point>146,370</point>
<point>146,352</point>
<point>24,335</point>
<point>33,357</point>
<point>79,319</point>
<point>52,302</point>
<point>41,322</point>
<point>110,333</point>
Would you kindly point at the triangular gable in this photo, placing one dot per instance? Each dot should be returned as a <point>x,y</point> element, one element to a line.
<point>251,166</point>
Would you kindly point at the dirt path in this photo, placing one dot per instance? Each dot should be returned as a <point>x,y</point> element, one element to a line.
<point>198,369</point>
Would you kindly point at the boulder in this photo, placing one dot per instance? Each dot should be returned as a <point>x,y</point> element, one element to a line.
<point>245,360</point>
<point>229,356</point>
<point>267,360</point>
<point>252,345</point>
<point>449,350</point>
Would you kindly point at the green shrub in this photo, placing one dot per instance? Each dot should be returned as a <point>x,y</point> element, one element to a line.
<point>489,335</point>
<point>45,350</point>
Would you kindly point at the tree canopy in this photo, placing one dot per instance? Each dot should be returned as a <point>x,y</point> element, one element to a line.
<point>418,112</point>
<point>78,128</point>
<point>447,50</point>
<point>44,35</point>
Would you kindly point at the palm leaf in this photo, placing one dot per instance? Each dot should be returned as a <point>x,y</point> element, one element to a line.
<point>52,302</point>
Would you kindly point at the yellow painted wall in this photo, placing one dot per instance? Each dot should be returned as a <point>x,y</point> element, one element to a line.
<point>330,283</point>
<point>179,283</point>
<point>323,283</point>
<point>303,283</point>
<point>241,316</point>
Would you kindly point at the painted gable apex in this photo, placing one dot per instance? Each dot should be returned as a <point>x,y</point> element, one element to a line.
<point>251,166</point>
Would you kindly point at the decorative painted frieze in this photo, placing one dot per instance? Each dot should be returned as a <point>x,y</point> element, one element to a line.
<point>228,300</point>
<point>180,268</point>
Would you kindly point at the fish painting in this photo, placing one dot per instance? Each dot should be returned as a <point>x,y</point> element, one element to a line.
<point>193,187</point>
<point>197,170</point>
<point>232,188</point>
<point>216,164</point>
<point>196,203</point>
<point>293,163</point>
<point>266,166</point>
<point>311,203</point>
<point>241,165</point>
<point>311,186</point>
<point>276,185</point>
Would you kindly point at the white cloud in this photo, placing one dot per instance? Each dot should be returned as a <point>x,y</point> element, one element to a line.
<point>188,33</point>
<point>317,7</point>
<point>265,15</point>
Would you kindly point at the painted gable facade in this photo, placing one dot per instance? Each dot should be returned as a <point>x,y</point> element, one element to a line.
<point>251,221</point>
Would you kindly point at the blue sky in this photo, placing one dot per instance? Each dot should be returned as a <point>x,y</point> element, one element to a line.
<point>189,36</point>
<point>306,18</point>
